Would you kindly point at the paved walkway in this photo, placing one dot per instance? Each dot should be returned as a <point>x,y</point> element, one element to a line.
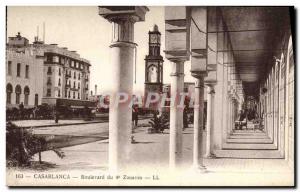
<point>149,155</point>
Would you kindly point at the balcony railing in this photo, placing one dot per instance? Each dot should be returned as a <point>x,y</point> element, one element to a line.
<point>68,76</point>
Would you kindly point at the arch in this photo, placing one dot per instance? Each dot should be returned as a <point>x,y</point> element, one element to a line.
<point>9,88</point>
<point>26,90</point>
<point>152,73</point>
<point>18,89</point>
<point>26,93</point>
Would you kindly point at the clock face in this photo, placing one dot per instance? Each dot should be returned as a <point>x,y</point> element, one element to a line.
<point>153,39</point>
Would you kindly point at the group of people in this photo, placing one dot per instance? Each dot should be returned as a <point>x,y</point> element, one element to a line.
<point>244,116</point>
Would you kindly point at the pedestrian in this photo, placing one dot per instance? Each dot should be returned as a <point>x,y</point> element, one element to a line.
<point>135,116</point>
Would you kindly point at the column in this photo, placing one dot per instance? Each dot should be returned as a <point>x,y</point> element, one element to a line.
<point>198,123</point>
<point>122,57</point>
<point>210,121</point>
<point>177,45</point>
<point>176,114</point>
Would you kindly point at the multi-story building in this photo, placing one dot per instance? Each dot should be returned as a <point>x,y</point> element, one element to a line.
<point>45,73</point>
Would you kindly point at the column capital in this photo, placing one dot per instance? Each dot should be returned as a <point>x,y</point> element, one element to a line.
<point>199,83</point>
<point>123,19</point>
<point>199,74</point>
<point>120,13</point>
<point>177,55</point>
<point>211,89</point>
<point>210,83</point>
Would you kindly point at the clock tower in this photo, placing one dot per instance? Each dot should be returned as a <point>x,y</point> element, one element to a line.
<point>154,64</point>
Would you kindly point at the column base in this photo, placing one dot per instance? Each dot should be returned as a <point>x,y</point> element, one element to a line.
<point>210,156</point>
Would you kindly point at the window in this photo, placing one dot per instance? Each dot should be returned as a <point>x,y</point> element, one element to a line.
<point>26,94</point>
<point>18,69</point>
<point>18,91</point>
<point>49,58</point>
<point>9,90</point>
<point>59,82</point>
<point>78,76</point>
<point>59,93</point>
<point>48,92</point>
<point>73,94</point>
<point>27,72</point>
<point>74,86</point>
<point>49,81</point>
<point>62,60</point>
<point>49,72</point>
<point>59,72</point>
<point>69,95</point>
<point>74,75</point>
<point>78,85</point>
<point>9,68</point>
<point>78,95</point>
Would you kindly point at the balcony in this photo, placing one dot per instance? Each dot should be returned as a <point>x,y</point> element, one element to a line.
<point>68,76</point>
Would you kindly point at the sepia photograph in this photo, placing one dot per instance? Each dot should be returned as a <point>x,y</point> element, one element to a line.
<point>184,96</point>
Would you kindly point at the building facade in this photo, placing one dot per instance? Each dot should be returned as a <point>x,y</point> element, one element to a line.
<point>44,73</point>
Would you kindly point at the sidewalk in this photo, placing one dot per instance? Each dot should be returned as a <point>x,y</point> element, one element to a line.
<point>150,154</point>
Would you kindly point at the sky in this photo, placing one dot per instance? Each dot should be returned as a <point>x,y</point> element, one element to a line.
<point>80,28</point>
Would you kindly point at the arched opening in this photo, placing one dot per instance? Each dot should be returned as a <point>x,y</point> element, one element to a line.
<point>26,94</point>
<point>9,90</point>
<point>18,91</point>
<point>152,74</point>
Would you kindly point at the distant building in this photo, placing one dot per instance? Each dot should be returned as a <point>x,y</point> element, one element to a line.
<point>45,73</point>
